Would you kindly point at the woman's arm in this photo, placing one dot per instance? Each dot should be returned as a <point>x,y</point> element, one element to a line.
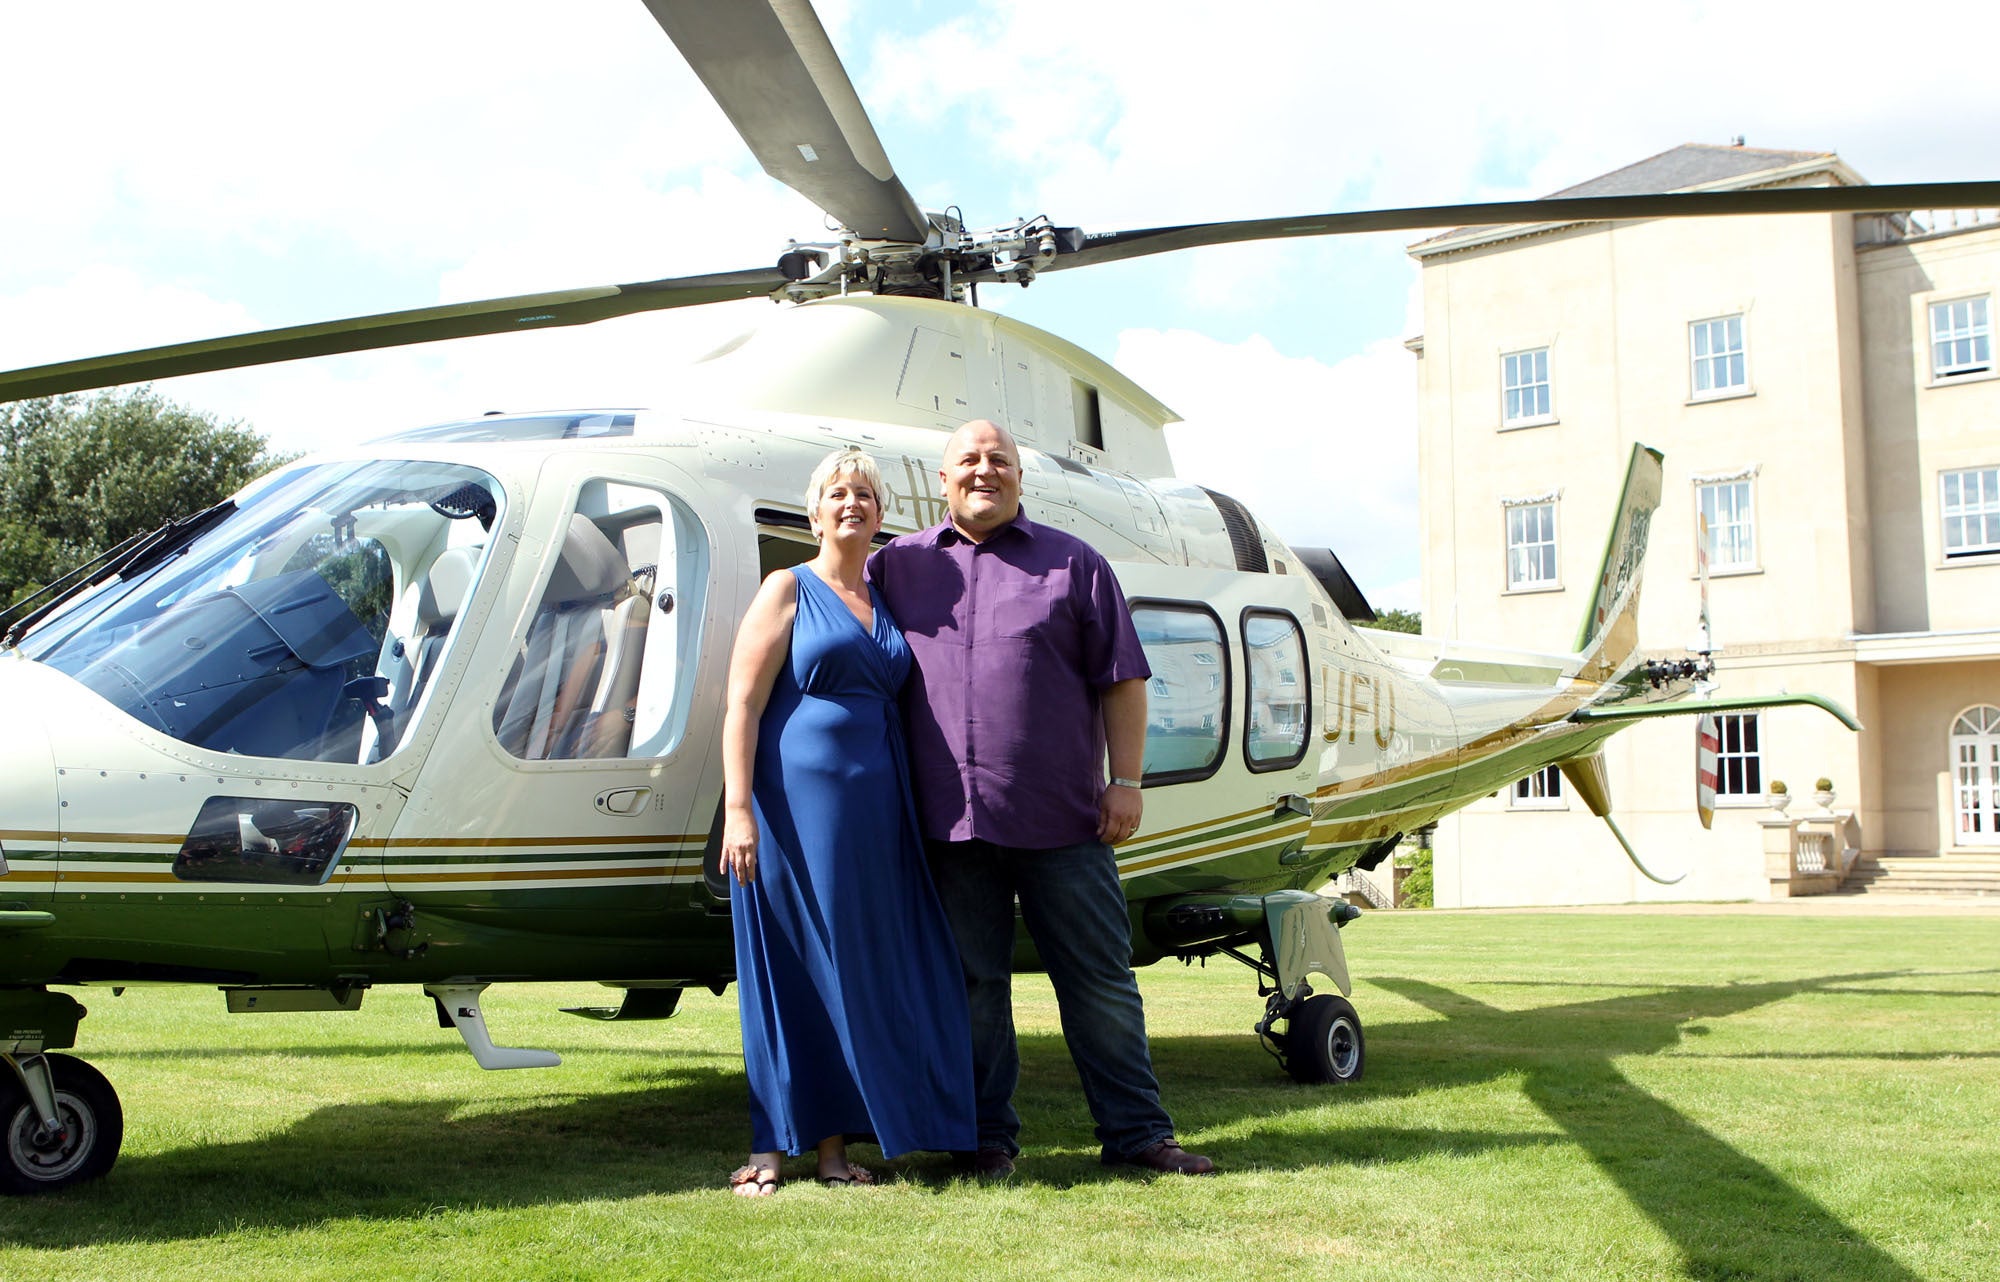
<point>761,645</point>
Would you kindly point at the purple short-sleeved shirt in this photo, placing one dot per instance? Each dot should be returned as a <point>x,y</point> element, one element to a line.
<point>1014,637</point>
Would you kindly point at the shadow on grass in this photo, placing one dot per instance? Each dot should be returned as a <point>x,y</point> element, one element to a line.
<point>448,1046</point>
<point>680,1127</point>
<point>1727,1214</point>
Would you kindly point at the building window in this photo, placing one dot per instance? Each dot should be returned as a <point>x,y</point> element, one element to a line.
<point>1739,756</point>
<point>1274,651</point>
<point>1971,511</point>
<point>1531,546</point>
<point>1975,765</point>
<point>1716,348</point>
<point>1728,516</point>
<point>1524,381</point>
<point>1542,790</point>
<point>1188,704</point>
<point>1961,338</point>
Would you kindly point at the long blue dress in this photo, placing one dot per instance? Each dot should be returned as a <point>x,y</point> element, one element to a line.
<point>849,985</point>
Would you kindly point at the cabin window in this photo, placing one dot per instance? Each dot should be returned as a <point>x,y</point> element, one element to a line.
<point>1279,703</point>
<point>1720,365</point>
<point>1975,765</point>
<point>1961,338</point>
<point>1542,790</point>
<point>1187,707</point>
<point>1739,756</point>
<point>1728,511</point>
<point>1971,511</point>
<point>1525,395</point>
<point>598,673</point>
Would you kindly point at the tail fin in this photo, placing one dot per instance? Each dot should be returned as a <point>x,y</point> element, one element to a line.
<point>1610,632</point>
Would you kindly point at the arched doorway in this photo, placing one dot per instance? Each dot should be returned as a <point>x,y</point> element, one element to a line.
<point>1975,776</point>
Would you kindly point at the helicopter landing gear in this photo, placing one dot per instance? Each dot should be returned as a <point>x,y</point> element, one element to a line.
<point>1295,933</point>
<point>60,1123</point>
<point>1322,1041</point>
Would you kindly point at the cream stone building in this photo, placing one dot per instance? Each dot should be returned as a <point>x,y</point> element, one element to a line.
<point>1825,392</point>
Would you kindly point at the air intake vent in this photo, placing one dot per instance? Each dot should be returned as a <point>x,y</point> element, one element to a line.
<point>1243,535</point>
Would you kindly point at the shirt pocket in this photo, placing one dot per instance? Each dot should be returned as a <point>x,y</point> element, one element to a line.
<point>1031,609</point>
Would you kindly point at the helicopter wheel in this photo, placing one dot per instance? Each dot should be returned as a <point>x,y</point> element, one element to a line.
<point>33,1160</point>
<point>1324,1042</point>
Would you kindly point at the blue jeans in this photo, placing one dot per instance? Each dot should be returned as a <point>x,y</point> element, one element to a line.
<point>1075,913</point>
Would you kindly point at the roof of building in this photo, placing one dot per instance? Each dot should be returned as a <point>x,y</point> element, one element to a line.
<point>1688,166</point>
<point>1692,164</point>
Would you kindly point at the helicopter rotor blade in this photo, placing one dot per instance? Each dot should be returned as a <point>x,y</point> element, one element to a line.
<point>1106,247</point>
<point>774,73</point>
<point>390,329</point>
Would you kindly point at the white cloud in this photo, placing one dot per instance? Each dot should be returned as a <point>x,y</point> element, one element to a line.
<point>1324,454</point>
<point>216,165</point>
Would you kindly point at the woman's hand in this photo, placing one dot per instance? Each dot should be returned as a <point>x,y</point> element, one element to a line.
<point>739,846</point>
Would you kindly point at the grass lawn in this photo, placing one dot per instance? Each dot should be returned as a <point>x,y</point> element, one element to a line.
<point>1634,1095</point>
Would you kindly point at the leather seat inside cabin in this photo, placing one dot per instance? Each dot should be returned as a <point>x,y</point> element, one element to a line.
<point>571,691</point>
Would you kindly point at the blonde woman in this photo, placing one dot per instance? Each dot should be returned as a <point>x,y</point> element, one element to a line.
<point>853,1009</point>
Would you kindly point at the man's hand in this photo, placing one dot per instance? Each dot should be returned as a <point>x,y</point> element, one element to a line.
<point>1118,813</point>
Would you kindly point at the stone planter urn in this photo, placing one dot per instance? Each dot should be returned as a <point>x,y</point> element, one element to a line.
<point>1778,800</point>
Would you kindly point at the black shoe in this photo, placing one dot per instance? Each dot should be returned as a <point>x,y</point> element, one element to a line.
<point>993,1165</point>
<point>1166,1157</point>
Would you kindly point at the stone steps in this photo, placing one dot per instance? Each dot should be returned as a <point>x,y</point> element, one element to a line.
<point>1958,873</point>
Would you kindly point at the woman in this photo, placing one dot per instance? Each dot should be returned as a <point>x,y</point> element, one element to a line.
<point>853,1009</point>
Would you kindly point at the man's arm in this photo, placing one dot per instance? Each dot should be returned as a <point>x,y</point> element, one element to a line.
<point>1123,704</point>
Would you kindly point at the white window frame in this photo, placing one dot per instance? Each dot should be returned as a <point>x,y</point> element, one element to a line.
<point>1979,513</point>
<point>1515,547</point>
<point>1975,777</point>
<point>1537,394</point>
<point>1740,777</point>
<point>1745,522</point>
<point>1974,337</point>
<point>1542,790</point>
<point>1706,363</point>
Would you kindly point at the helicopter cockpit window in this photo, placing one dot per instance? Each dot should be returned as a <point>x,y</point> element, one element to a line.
<point>286,629</point>
<point>1187,699</point>
<point>598,673</point>
<point>1277,690</point>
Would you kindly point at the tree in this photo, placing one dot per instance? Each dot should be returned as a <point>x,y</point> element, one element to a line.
<point>1399,621</point>
<point>80,475</point>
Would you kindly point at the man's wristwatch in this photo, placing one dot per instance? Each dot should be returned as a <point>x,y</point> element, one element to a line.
<point>1116,782</point>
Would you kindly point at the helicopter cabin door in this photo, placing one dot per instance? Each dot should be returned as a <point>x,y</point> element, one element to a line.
<point>1229,774</point>
<point>549,831</point>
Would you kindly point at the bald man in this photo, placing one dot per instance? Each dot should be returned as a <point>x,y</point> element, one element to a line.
<point>1028,673</point>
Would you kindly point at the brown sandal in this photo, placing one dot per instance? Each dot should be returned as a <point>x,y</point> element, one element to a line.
<point>755,1180</point>
<point>856,1175</point>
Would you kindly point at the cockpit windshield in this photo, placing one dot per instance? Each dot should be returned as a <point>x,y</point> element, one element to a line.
<point>306,624</point>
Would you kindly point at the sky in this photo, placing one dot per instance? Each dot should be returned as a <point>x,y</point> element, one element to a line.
<point>175,172</point>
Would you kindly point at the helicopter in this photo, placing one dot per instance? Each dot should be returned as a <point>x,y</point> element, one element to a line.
<point>443,709</point>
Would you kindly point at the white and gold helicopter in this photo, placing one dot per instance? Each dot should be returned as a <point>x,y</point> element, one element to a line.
<point>443,710</point>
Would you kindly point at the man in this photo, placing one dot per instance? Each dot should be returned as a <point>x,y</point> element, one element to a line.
<point>1027,670</point>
